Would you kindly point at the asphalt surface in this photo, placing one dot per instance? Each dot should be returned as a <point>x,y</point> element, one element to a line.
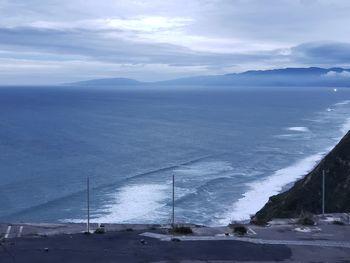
<point>126,246</point>
<point>282,241</point>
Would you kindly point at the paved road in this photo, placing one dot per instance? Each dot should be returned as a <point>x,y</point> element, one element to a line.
<point>126,247</point>
<point>319,243</point>
<point>66,243</point>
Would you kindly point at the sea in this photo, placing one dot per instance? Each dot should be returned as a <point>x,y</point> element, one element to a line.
<point>229,149</point>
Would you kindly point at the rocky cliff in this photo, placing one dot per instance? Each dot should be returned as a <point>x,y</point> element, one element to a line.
<point>306,194</point>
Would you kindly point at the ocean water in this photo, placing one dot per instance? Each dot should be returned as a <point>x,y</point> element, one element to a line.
<point>229,149</point>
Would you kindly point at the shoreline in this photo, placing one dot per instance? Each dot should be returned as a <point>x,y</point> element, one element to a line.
<point>306,165</point>
<point>45,229</point>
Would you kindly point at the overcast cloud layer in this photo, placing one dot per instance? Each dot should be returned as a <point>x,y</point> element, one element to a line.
<point>56,41</point>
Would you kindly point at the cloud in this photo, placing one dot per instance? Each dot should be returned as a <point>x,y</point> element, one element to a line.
<point>138,24</point>
<point>113,47</point>
<point>335,74</point>
<point>175,38</point>
<point>325,53</point>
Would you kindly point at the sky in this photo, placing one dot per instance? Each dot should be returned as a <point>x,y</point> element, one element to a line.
<point>60,41</point>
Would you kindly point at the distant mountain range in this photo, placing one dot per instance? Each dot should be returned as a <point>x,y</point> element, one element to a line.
<point>313,76</point>
<point>107,82</point>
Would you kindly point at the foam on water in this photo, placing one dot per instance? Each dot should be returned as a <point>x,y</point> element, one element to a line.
<point>145,202</point>
<point>289,135</point>
<point>134,202</point>
<point>345,102</point>
<point>204,169</point>
<point>260,190</point>
<point>298,129</point>
<point>346,126</point>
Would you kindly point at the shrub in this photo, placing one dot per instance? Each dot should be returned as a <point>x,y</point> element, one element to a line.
<point>338,222</point>
<point>258,221</point>
<point>240,230</point>
<point>100,230</point>
<point>306,219</point>
<point>183,230</point>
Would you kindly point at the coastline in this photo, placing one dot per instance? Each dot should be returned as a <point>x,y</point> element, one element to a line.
<point>257,195</point>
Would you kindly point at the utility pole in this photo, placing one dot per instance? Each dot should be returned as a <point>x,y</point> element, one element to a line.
<point>88,206</point>
<point>323,191</point>
<point>173,214</point>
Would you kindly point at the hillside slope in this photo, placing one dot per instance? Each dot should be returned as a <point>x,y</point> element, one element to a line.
<point>306,194</point>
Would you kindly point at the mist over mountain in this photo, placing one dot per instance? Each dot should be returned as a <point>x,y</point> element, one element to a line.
<point>106,82</point>
<point>313,76</point>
